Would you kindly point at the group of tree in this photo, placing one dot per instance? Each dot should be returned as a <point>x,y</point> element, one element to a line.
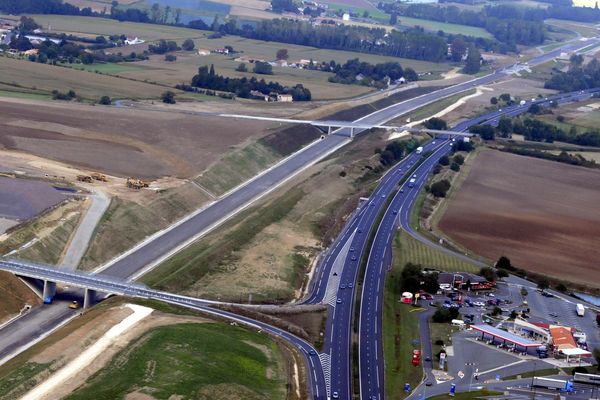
<point>562,157</point>
<point>413,279</point>
<point>578,76</point>
<point>436,123</point>
<point>444,315</point>
<point>163,47</point>
<point>440,188</point>
<point>285,5</point>
<point>372,74</point>
<point>242,87</point>
<point>69,52</point>
<point>412,43</point>
<point>508,24</point>
<point>540,131</point>
<point>486,132</point>
<point>395,151</point>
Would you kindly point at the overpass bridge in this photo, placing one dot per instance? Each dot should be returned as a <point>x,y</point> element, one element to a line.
<point>92,283</point>
<point>345,126</point>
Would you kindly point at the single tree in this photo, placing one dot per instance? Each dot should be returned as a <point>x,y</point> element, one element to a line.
<point>188,45</point>
<point>455,167</point>
<point>393,19</point>
<point>263,68</point>
<point>282,54</point>
<point>459,159</point>
<point>488,273</point>
<point>458,49</point>
<point>242,68</point>
<point>543,283</point>
<point>473,63</point>
<point>170,57</point>
<point>504,263</point>
<point>494,101</point>
<point>105,100</point>
<point>168,97</point>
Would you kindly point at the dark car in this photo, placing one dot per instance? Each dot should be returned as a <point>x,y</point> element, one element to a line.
<point>428,383</point>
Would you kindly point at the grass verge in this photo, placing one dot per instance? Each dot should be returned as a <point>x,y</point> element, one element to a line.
<point>400,334</point>
<point>193,361</point>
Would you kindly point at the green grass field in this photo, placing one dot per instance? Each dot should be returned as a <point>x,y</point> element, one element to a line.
<point>108,68</point>
<point>25,95</point>
<point>200,361</point>
<point>411,250</point>
<point>446,27</point>
<point>91,26</point>
<point>400,328</point>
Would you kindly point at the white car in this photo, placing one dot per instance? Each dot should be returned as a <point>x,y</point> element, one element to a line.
<point>479,304</point>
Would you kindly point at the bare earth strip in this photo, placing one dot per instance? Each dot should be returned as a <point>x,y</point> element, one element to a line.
<point>542,215</point>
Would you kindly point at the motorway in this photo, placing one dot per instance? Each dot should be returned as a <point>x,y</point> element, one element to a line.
<point>165,243</point>
<point>398,214</point>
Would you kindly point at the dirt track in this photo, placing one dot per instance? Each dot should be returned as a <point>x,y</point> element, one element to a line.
<point>124,142</point>
<point>543,215</point>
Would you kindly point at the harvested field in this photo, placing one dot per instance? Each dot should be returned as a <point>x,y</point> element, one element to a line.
<point>121,142</point>
<point>542,215</point>
<point>30,76</point>
<point>23,199</point>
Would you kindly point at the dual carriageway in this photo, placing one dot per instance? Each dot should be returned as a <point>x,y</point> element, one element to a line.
<point>329,372</point>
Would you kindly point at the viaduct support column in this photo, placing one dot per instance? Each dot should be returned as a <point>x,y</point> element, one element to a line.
<point>89,298</point>
<point>329,130</point>
<point>351,132</point>
<point>49,291</point>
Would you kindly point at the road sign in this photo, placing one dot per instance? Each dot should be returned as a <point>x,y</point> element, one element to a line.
<point>461,374</point>
<point>497,377</point>
<point>452,389</point>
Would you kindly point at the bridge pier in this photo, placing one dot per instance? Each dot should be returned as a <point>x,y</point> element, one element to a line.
<point>329,130</point>
<point>49,291</point>
<point>89,298</point>
<point>351,133</point>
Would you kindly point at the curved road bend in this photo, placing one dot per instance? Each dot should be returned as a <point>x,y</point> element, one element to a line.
<point>398,213</point>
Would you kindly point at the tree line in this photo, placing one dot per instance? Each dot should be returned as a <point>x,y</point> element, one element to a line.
<point>509,25</point>
<point>413,43</point>
<point>207,78</point>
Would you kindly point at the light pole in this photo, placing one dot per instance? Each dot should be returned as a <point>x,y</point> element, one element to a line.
<point>533,378</point>
<point>472,364</point>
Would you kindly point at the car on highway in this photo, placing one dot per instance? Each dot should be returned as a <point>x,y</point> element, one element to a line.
<point>339,300</point>
<point>312,352</point>
<point>428,383</point>
<point>335,395</point>
<point>343,286</point>
<point>395,212</point>
<point>353,258</point>
<point>350,285</point>
<point>479,304</point>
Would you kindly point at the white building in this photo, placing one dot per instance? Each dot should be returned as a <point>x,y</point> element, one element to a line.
<point>346,16</point>
<point>129,42</point>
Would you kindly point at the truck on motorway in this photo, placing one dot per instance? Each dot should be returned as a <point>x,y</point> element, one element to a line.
<point>580,310</point>
<point>551,383</point>
<point>411,183</point>
<point>419,150</point>
<point>587,378</point>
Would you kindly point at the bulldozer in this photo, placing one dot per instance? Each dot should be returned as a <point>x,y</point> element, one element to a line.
<point>99,177</point>
<point>84,178</point>
<point>134,183</point>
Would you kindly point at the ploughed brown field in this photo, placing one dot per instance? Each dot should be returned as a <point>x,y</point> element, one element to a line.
<point>121,141</point>
<point>543,215</point>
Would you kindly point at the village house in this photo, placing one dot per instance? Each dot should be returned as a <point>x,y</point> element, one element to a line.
<point>136,40</point>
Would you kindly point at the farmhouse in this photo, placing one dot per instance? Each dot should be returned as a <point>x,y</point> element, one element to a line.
<point>41,39</point>
<point>221,51</point>
<point>203,52</point>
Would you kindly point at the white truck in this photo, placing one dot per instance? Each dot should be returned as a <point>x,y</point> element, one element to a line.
<point>419,150</point>
<point>411,183</point>
<point>580,310</point>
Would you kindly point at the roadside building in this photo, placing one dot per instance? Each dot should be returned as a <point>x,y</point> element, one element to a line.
<point>203,52</point>
<point>285,98</point>
<point>346,16</point>
<point>462,280</point>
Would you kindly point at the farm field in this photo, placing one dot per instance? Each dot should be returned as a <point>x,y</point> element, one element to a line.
<point>92,27</point>
<point>34,77</point>
<point>121,141</point>
<point>446,27</point>
<point>549,228</point>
